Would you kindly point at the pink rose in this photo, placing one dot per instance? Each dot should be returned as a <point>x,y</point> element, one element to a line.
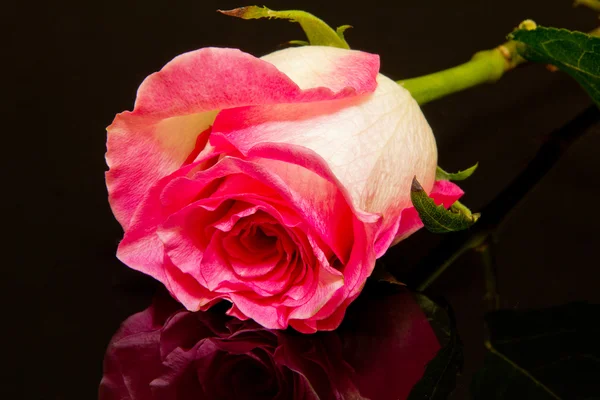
<point>379,353</point>
<point>272,183</point>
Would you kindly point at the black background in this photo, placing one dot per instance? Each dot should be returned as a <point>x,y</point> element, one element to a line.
<point>70,66</point>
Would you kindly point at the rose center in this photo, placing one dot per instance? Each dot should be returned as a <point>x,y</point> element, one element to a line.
<point>259,246</point>
<point>256,239</point>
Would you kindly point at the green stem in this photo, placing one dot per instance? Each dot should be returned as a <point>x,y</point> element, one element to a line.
<point>484,67</point>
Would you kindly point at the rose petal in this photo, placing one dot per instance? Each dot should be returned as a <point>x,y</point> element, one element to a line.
<point>336,69</point>
<point>142,249</point>
<point>374,144</point>
<point>175,105</point>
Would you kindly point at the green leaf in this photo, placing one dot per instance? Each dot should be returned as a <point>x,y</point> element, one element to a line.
<point>576,53</point>
<point>317,31</point>
<point>436,218</point>
<point>441,175</point>
<point>439,379</point>
<point>544,354</point>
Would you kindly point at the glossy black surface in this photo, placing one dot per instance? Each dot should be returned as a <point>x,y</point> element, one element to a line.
<point>70,66</point>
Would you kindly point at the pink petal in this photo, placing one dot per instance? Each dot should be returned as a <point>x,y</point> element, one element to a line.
<point>328,282</point>
<point>175,105</point>
<point>322,200</point>
<point>141,248</point>
<point>195,273</point>
<point>336,69</point>
<point>266,315</point>
<point>374,144</point>
<point>186,288</point>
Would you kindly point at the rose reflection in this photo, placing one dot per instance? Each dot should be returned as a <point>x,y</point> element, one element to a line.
<point>166,352</point>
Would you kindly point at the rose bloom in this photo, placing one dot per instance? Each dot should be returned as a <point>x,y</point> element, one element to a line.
<point>165,352</point>
<point>272,183</point>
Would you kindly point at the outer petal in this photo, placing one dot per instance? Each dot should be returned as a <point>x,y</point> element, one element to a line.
<point>315,66</point>
<point>374,144</point>
<point>178,103</point>
<point>392,124</point>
